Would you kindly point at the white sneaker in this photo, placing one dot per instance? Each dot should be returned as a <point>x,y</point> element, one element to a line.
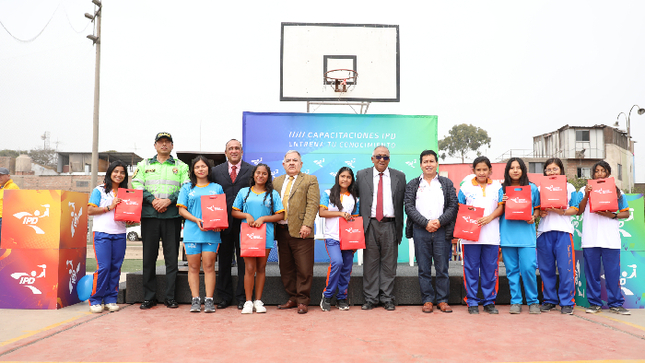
<point>112,307</point>
<point>96,309</point>
<point>259,306</point>
<point>248,308</point>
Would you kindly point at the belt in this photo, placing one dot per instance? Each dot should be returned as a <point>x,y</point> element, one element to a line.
<point>384,219</point>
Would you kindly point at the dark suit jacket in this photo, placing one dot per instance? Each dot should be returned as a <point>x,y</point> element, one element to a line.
<point>304,201</point>
<point>220,175</point>
<point>365,185</point>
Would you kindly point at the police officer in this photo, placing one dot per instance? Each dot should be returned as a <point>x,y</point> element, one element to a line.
<point>160,178</point>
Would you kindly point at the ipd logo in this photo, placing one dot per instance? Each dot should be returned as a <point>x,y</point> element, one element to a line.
<point>28,280</point>
<point>31,219</point>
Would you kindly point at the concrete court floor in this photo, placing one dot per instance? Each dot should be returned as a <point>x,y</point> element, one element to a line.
<point>73,334</point>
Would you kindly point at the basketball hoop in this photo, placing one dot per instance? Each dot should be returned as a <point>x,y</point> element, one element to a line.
<point>340,79</point>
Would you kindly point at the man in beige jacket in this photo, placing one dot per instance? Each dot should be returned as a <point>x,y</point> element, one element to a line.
<point>300,197</point>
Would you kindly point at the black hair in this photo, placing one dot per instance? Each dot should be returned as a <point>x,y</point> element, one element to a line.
<point>426,153</point>
<point>606,166</point>
<point>524,179</point>
<point>555,161</point>
<point>108,176</point>
<point>334,193</point>
<point>482,159</point>
<point>268,185</point>
<point>193,177</point>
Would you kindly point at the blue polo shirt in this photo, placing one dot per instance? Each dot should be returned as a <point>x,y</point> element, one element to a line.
<point>518,233</point>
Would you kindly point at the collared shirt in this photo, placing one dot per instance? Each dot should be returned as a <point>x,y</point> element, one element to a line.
<point>388,203</point>
<point>105,222</point>
<point>557,222</point>
<point>332,223</point>
<point>282,196</point>
<point>486,197</point>
<point>600,231</point>
<point>430,198</point>
<point>230,167</point>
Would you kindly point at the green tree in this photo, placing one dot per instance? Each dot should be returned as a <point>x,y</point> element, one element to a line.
<point>12,153</point>
<point>463,139</point>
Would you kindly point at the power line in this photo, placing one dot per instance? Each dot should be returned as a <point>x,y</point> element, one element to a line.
<point>37,35</point>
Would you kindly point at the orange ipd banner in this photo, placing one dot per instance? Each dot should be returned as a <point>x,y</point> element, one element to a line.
<point>40,278</point>
<point>40,219</point>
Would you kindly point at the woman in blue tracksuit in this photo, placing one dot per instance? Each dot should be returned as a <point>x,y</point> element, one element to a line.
<point>340,201</point>
<point>517,239</point>
<point>555,248</point>
<point>108,238</point>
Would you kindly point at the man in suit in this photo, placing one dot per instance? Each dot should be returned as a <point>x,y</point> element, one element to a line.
<point>300,197</point>
<point>381,191</point>
<point>232,175</point>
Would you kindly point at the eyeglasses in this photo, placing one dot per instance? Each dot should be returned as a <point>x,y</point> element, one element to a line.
<point>554,170</point>
<point>384,157</point>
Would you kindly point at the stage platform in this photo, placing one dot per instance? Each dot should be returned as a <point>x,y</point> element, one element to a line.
<point>406,285</point>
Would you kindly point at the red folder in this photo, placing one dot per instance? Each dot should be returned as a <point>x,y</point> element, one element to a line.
<point>466,226</point>
<point>129,210</point>
<point>519,204</point>
<point>553,192</point>
<point>253,240</point>
<point>214,213</point>
<point>351,234</point>
<point>603,195</point>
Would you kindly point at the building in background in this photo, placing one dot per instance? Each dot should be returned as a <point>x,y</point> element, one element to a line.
<point>579,148</point>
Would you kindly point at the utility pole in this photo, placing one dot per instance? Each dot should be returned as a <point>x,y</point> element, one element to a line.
<point>96,40</point>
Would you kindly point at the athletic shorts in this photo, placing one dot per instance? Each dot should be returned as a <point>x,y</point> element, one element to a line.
<point>195,248</point>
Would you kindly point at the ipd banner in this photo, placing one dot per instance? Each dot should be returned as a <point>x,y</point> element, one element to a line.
<point>328,142</point>
<point>632,257</point>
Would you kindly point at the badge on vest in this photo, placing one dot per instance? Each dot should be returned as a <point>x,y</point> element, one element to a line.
<point>150,170</point>
<point>175,170</point>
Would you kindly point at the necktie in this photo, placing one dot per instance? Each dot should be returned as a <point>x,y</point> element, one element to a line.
<point>233,173</point>
<point>285,197</point>
<point>379,198</point>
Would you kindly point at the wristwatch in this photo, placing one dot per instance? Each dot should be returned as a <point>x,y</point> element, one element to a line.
<point>615,216</point>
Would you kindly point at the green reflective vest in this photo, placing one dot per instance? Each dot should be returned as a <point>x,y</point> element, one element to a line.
<point>160,180</point>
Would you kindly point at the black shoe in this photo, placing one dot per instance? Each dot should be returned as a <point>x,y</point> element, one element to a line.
<point>147,304</point>
<point>490,308</point>
<point>473,309</point>
<point>223,304</point>
<point>240,305</point>
<point>171,304</point>
<point>367,306</point>
<point>388,305</point>
<point>547,307</point>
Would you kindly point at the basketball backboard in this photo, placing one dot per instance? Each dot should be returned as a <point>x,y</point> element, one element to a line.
<point>308,52</point>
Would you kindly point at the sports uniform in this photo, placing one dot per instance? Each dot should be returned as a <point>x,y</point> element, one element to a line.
<point>254,203</point>
<point>601,241</point>
<point>517,239</point>
<point>555,245</point>
<point>340,261</point>
<point>109,244</point>
<point>190,198</point>
<point>481,257</point>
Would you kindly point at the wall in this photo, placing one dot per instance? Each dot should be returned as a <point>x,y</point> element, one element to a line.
<point>57,182</point>
<point>9,163</point>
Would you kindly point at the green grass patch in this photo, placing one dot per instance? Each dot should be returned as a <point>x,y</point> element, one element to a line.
<point>128,265</point>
